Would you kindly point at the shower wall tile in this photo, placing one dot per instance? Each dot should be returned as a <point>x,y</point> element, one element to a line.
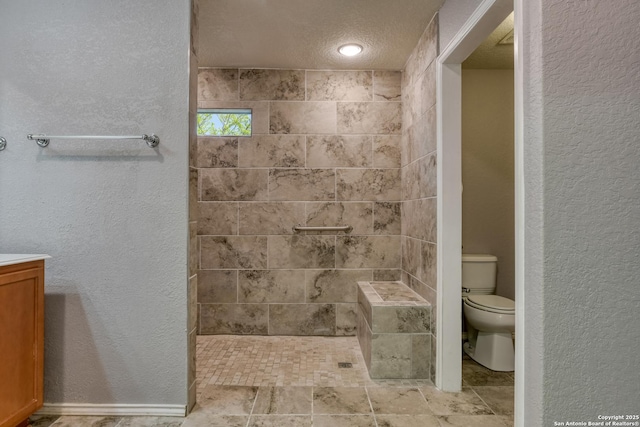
<point>368,184</point>
<point>387,85</point>
<point>369,117</point>
<point>270,217</point>
<point>271,286</point>
<point>302,184</point>
<point>367,251</point>
<point>216,152</point>
<point>302,319</point>
<point>217,286</point>
<point>419,219</point>
<point>193,194</point>
<point>259,112</point>
<point>217,84</point>
<point>285,151</point>
<point>193,248</point>
<point>301,251</point>
<point>428,264</point>
<point>346,319</point>
<point>390,275</point>
<point>193,303</point>
<point>339,86</point>
<point>428,176</point>
<point>359,215</point>
<point>386,218</point>
<point>339,151</point>
<point>387,151</point>
<point>259,84</point>
<point>218,218</point>
<point>243,319</point>
<point>410,255</point>
<point>233,184</point>
<point>228,252</point>
<point>303,117</point>
<point>332,286</point>
<point>427,88</point>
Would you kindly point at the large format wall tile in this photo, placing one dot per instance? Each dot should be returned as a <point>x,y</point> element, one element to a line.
<point>245,319</point>
<point>339,86</point>
<point>346,319</point>
<point>302,319</point>
<point>301,251</point>
<point>334,285</point>
<point>271,286</point>
<point>370,117</point>
<point>217,286</point>
<point>302,184</point>
<point>233,252</point>
<point>328,214</point>
<point>303,117</point>
<point>367,251</point>
<point>259,84</point>
<point>387,85</point>
<point>272,151</point>
<point>387,151</point>
<point>217,152</point>
<point>386,218</point>
<point>270,217</point>
<point>217,84</point>
<point>233,184</point>
<point>339,151</point>
<point>368,184</point>
<point>217,218</point>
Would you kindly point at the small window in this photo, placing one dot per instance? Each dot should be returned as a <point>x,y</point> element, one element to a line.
<point>224,122</point>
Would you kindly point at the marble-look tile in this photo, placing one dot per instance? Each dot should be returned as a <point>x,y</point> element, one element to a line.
<point>334,285</point>
<point>397,400</point>
<point>200,418</point>
<point>407,421</point>
<point>217,218</point>
<point>192,307</point>
<point>191,357</point>
<point>339,85</point>
<point>217,84</point>
<point>390,275</point>
<point>474,375</point>
<point>285,151</point>
<point>283,400</point>
<point>387,85</point>
<point>356,214</point>
<point>217,152</point>
<point>244,319</point>
<point>151,422</point>
<point>86,421</point>
<point>465,402</point>
<point>369,117</point>
<point>390,358</point>
<point>427,88</point>
<point>302,251</point>
<point>313,117</point>
<point>261,84</point>
<point>269,286</point>
<point>193,248</point>
<point>332,151</point>
<point>392,320</point>
<point>507,420</point>
<point>499,398</point>
<point>434,343</point>
<point>340,400</point>
<point>428,264</point>
<point>270,217</point>
<point>233,252</point>
<point>233,184</point>
<point>228,400</point>
<point>410,255</point>
<point>386,218</point>
<point>423,54</point>
<point>42,420</point>
<point>301,184</point>
<point>394,291</point>
<point>411,181</point>
<point>302,319</point>
<point>280,421</point>
<point>471,421</point>
<point>421,356</point>
<point>193,194</point>
<point>217,286</point>
<point>259,112</point>
<point>346,319</point>
<point>427,176</point>
<point>428,132</point>
<point>368,184</point>
<point>419,219</point>
<point>387,151</point>
<point>367,251</point>
<point>364,336</point>
<point>343,421</point>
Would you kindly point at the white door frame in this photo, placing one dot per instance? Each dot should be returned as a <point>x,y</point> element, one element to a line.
<point>484,20</point>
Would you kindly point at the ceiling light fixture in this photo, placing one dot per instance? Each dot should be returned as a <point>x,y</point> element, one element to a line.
<point>350,49</point>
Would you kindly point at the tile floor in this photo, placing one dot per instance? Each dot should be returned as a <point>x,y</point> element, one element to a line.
<point>247,381</point>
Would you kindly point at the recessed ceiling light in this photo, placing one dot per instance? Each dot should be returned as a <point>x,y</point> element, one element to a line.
<point>350,49</point>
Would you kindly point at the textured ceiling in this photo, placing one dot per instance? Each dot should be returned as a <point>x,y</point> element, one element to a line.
<point>490,54</point>
<point>305,34</point>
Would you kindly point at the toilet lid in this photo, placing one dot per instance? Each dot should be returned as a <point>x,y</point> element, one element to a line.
<point>492,302</point>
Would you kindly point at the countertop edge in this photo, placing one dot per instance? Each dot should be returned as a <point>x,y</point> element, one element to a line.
<point>11,259</point>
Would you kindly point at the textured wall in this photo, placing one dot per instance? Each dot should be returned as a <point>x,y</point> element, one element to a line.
<point>325,151</point>
<point>419,178</point>
<point>487,170</point>
<point>112,214</point>
<point>452,16</point>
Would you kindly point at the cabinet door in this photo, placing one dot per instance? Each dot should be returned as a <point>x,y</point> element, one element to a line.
<point>21,341</point>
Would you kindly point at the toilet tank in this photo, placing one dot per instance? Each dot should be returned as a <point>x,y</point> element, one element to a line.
<point>479,273</point>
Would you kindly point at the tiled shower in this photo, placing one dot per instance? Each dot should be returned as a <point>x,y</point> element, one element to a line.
<point>327,148</point>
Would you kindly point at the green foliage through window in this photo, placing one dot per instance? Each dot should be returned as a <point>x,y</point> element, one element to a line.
<point>224,122</point>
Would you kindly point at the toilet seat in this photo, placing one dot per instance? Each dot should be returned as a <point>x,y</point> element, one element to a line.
<point>492,303</point>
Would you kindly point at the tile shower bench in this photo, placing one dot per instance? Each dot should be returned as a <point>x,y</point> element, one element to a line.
<point>394,330</point>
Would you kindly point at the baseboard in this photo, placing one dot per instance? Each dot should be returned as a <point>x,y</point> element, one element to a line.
<point>112,409</point>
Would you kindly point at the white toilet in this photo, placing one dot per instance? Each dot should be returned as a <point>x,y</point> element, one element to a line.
<point>491,319</point>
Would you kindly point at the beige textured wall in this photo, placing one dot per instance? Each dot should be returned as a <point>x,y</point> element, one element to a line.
<point>419,178</point>
<point>325,151</point>
<point>487,170</point>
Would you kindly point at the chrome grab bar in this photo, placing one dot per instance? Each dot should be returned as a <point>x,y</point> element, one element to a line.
<point>43,140</point>
<point>345,228</point>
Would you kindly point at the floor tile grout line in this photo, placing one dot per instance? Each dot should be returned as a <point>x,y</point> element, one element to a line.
<point>366,390</point>
<point>483,401</point>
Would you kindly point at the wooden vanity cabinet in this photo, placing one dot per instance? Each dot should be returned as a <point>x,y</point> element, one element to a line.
<point>21,341</point>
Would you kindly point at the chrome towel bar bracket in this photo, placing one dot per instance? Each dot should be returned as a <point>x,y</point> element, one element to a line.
<point>43,140</point>
<point>3,143</point>
<point>345,228</point>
